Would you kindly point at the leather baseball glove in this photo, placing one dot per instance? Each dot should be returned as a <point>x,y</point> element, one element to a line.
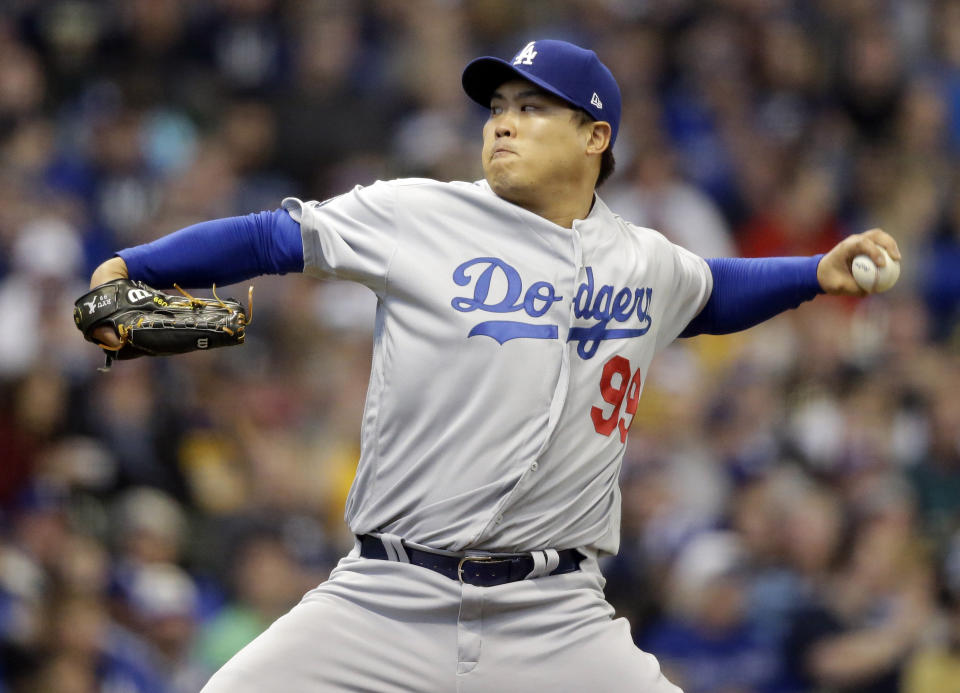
<point>154,323</point>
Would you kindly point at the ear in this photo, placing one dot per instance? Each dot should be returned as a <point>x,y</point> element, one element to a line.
<point>598,137</point>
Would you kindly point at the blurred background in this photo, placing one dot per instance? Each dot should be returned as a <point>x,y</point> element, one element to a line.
<point>791,494</point>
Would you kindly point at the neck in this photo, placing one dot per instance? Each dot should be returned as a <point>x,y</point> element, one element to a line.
<point>565,215</point>
<point>562,210</point>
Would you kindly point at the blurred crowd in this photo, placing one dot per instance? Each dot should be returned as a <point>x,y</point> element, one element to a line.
<point>791,515</point>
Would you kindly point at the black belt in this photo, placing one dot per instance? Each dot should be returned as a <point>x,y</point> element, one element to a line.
<point>483,571</point>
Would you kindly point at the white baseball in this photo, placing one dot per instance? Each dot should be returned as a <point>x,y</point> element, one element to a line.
<point>873,279</point>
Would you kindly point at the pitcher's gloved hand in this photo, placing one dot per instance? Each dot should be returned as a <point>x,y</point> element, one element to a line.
<point>153,323</point>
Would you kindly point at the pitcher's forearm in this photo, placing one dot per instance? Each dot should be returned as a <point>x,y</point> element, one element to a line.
<point>219,251</point>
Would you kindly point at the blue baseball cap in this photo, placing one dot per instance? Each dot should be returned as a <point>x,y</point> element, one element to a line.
<point>574,74</point>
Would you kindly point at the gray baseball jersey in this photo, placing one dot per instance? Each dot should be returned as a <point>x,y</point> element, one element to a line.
<point>509,355</point>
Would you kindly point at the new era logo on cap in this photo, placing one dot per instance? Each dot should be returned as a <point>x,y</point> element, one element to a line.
<point>574,74</point>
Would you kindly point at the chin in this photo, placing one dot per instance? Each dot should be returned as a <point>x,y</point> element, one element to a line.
<point>504,184</point>
<point>508,192</point>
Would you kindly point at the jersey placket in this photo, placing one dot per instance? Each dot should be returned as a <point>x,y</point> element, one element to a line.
<point>559,399</point>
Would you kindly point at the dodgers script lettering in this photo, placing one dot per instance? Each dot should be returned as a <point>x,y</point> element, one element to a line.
<point>601,304</point>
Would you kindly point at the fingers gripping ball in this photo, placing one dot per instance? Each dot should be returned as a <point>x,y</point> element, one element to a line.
<point>153,323</point>
<point>873,279</point>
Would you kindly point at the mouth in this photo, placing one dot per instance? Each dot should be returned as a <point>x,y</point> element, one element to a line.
<point>501,152</point>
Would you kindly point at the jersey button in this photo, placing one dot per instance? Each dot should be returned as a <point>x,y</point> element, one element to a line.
<point>534,467</point>
<point>499,519</point>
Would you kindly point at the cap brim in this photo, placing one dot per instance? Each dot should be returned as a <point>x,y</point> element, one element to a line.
<point>482,77</point>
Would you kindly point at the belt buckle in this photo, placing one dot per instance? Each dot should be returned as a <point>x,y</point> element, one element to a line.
<point>477,559</point>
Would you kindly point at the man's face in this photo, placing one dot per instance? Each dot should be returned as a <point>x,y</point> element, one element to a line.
<point>532,143</point>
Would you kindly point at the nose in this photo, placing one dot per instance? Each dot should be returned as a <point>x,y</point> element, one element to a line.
<point>505,126</point>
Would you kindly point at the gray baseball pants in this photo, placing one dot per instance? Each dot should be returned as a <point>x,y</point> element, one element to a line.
<point>382,626</point>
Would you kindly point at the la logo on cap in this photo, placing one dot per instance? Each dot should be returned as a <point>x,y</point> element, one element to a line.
<point>526,56</point>
<point>595,101</point>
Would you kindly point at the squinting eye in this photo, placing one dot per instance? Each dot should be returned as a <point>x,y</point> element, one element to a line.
<point>496,110</point>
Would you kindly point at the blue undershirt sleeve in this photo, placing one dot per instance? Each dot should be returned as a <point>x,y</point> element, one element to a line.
<point>747,291</point>
<point>221,251</point>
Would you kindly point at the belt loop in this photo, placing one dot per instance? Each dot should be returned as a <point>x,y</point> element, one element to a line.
<point>394,546</point>
<point>539,565</point>
<point>553,560</point>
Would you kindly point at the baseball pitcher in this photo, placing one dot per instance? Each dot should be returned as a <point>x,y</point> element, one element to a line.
<point>517,318</point>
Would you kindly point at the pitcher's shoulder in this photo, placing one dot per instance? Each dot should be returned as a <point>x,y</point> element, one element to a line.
<point>640,234</point>
<point>422,190</point>
<point>479,186</point>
